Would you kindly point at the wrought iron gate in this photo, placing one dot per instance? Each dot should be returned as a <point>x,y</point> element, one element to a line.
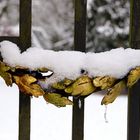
<point>24,41</point>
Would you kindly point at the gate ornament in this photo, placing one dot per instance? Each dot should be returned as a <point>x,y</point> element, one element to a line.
<point>30,81</point>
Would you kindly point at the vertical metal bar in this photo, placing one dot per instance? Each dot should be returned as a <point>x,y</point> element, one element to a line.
<point>25,42</point>
<point>133,132</point>
<point>80,25</point>
<point>78,119</point>
<point>25,24</point>
<point>79,45</point>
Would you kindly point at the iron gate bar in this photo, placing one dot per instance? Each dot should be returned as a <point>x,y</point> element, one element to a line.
<point>79,45</point>
<point>134,113</point>
<point>133,130</point>
<point>25,42</point>
<point>25,24</point>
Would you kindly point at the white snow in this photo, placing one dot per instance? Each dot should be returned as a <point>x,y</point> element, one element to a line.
<point>52,123</point>
<point>116,63</point>
<point>12,53</point>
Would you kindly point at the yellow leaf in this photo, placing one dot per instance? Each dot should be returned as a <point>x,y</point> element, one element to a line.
<point>7,77</point>
<point>82,86</point>
<point>67,82</point>
<point>57,99</point>
<point>113,93</point>
<point>69,89</point>
<point>58,85</point>
<point>104,82</point>
<point>133,77</point>
<point>26,84</point>
<point>4,74</point>
<point>21,68</point>
<point>62,84</point>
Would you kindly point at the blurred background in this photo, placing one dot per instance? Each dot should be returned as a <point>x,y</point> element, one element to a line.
<point>53,23</point>
<point>53,28</point>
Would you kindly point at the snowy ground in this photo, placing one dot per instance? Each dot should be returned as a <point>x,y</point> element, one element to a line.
<point>52,123</point>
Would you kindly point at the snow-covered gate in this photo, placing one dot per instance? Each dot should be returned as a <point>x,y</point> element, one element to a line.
<point>24,41</point>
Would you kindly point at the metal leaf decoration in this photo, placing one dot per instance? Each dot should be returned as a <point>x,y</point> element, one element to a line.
<point>5,74</point>
<point>28,82</point>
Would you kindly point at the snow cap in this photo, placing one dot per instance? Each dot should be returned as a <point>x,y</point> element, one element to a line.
<point>68,64</point>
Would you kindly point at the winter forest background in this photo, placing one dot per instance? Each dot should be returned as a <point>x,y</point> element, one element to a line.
<point>53,23</point>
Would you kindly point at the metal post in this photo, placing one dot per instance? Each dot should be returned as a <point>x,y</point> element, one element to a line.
<point>24,43</point>
<point>133,132</point>
<point>79,45</point>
